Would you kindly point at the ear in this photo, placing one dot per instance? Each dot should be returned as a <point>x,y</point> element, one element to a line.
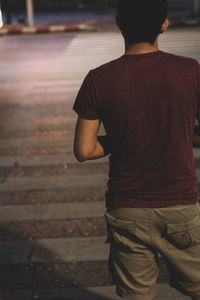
<point>117,21</point>
<point>165,25</point>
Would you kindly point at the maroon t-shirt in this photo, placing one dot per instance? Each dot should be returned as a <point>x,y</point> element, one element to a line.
<point>148,104</point>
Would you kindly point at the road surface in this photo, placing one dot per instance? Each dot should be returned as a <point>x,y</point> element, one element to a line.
<point>52,229</point>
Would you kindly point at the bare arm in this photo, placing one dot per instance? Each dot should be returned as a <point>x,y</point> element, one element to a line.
<point>87,144</point>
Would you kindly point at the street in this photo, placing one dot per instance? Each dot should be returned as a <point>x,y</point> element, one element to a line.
<point>52,229</point>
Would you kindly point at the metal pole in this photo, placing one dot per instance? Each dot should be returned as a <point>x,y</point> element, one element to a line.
<point>1,19</point>
<point>30,13</point>
<point>196,7</point>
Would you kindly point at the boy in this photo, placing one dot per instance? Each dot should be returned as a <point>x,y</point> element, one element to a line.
<point>148,101</point>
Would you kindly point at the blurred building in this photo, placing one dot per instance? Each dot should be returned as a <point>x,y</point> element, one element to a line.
<point>178,9</point>
<point>187,5</point>
<point>184,8</point>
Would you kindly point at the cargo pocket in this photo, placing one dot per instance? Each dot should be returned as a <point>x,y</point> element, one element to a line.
<point>119,231</point>
<point>184,235</point>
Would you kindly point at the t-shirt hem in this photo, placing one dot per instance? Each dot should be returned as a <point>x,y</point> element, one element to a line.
<point>142,203</point>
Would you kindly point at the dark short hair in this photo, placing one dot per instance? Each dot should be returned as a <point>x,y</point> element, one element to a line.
<point>141,20</point>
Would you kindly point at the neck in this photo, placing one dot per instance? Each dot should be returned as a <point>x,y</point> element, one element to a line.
<point>141,48</point>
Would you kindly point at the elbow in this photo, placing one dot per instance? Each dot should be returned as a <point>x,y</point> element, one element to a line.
<point>83,153</point>
<point>80,156</point>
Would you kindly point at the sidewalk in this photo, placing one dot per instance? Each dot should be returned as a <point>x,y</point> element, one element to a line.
<point>94,293</point>
<point>52,229</point>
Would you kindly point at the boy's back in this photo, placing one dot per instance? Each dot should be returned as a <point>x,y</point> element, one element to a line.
<point>148,106</point>
<point>148,101</point>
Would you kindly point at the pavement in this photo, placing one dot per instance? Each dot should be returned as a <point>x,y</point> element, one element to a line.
<point>94,293</point>
<point>52,229</point>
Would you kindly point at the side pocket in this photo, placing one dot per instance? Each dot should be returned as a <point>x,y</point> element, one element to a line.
<point>184,235</point>
<point>119,230</point>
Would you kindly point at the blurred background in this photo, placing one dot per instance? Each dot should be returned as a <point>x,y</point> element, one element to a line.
<point>52,229</point>
<point>15,11</point>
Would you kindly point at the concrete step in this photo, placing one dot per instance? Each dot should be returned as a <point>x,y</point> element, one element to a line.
<point>51,212</point>
<point>56,170</point>
<point>30,143</point>
<point>163,292</point>
<point>69,250</point>
<point>50,251</point>
<point>37,135</point>
<point>50,160</point>
<point>62,250</point>
<point>61,136</point>
<point>53,275</point>
<point>67,195</point>
<point>60,275</point>
<point>53,123</point>
<point>52,183</point>
<point>36,151</point>
<point>16,295</point>
<point>68,228</point>
<point>23,112</point>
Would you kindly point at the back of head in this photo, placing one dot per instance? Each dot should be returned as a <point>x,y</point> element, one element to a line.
<point>141,20</point>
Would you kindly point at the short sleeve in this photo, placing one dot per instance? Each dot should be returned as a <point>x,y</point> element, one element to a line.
<point>86,101</point>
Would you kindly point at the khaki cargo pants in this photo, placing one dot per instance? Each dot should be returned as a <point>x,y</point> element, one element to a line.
<point>137,235</point>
